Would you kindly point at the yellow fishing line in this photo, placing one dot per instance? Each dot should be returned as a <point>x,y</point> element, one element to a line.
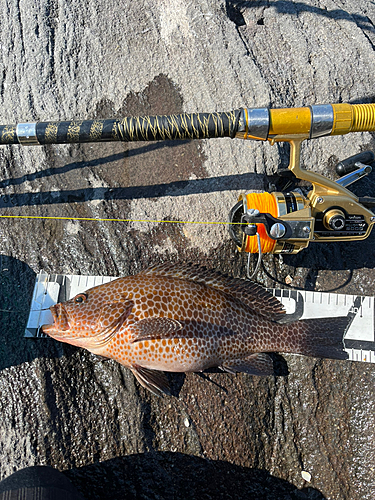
<point>113,220</point>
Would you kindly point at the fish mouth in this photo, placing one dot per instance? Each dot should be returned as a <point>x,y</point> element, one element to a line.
<point>60,321</point>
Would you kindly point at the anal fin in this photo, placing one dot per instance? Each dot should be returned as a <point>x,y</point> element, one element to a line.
<point>259,363</point>
<point>153,380</point>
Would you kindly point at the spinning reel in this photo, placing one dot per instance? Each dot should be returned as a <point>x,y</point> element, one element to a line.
<point>286,222</point>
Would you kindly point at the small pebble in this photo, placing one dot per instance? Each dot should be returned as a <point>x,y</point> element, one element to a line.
<point>186,422</point>
<point>306,476</point>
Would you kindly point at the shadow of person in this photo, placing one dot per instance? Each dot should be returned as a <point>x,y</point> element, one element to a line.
<point>177,476</point>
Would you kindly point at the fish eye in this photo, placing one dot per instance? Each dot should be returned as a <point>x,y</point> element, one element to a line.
<point>81,297</point>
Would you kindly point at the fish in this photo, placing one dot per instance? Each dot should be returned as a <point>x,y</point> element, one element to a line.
<point>187,318</point>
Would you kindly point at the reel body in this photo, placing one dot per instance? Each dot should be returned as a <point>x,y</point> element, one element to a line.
<point>286,222</point>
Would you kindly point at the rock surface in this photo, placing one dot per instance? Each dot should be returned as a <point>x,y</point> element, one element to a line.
<point>220,436</point>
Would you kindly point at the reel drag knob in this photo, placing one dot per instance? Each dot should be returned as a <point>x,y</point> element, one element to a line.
<point>334,219</point>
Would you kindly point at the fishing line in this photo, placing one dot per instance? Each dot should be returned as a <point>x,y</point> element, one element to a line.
<point>149,221</point>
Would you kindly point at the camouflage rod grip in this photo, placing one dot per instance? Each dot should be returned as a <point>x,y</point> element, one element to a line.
<point>145,128</point>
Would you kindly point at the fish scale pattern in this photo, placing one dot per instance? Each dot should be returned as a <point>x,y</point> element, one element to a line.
<point>215,326</point>
<point>188,321</point>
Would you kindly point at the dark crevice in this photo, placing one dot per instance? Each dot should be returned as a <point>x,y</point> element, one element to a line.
<point>52,14</point>
<point>234,14</point>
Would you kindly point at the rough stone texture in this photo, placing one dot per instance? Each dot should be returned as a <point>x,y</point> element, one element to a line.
<point>220,436</point>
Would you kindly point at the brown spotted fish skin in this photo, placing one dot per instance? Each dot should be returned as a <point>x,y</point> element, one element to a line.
<point>188,319</point>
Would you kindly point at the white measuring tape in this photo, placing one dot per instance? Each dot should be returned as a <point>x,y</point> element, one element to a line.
<point>359,339</point>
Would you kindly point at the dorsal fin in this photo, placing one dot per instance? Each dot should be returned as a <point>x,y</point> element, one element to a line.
<point>249,293</point>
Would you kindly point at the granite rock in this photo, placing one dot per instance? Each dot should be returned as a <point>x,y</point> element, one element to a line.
<point>219,436</point>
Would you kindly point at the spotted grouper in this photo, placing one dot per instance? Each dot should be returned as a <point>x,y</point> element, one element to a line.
<point>188,319</point>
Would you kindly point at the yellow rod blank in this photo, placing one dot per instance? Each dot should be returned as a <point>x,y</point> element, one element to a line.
<point>346,118</point>
<point>290,121</point>
<point>353,118</point>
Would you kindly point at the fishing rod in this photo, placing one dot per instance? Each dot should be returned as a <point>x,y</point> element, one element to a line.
<point>276,222</point>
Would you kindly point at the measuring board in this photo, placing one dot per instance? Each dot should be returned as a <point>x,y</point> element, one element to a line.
<point>359,339</point>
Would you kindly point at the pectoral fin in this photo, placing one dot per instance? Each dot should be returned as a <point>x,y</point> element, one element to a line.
<point>153,380</point>
<point>154,329</point>
<point>256,364</point>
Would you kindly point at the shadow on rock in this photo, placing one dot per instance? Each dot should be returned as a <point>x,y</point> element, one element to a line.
<point>177,379</point>
<point>177,188</point>
<point>234,8</point>
<point>167,475</point>
<point>17,281</point>
<point>341,256</point>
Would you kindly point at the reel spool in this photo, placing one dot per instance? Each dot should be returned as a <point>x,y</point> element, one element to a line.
<point>274,220</point>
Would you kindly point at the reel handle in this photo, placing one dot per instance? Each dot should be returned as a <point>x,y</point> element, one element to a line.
<point>349,164</point>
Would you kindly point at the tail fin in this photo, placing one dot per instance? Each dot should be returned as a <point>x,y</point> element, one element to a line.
<point>321,338</point>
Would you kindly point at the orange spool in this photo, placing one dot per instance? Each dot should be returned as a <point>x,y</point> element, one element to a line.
<point>265,203</point>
